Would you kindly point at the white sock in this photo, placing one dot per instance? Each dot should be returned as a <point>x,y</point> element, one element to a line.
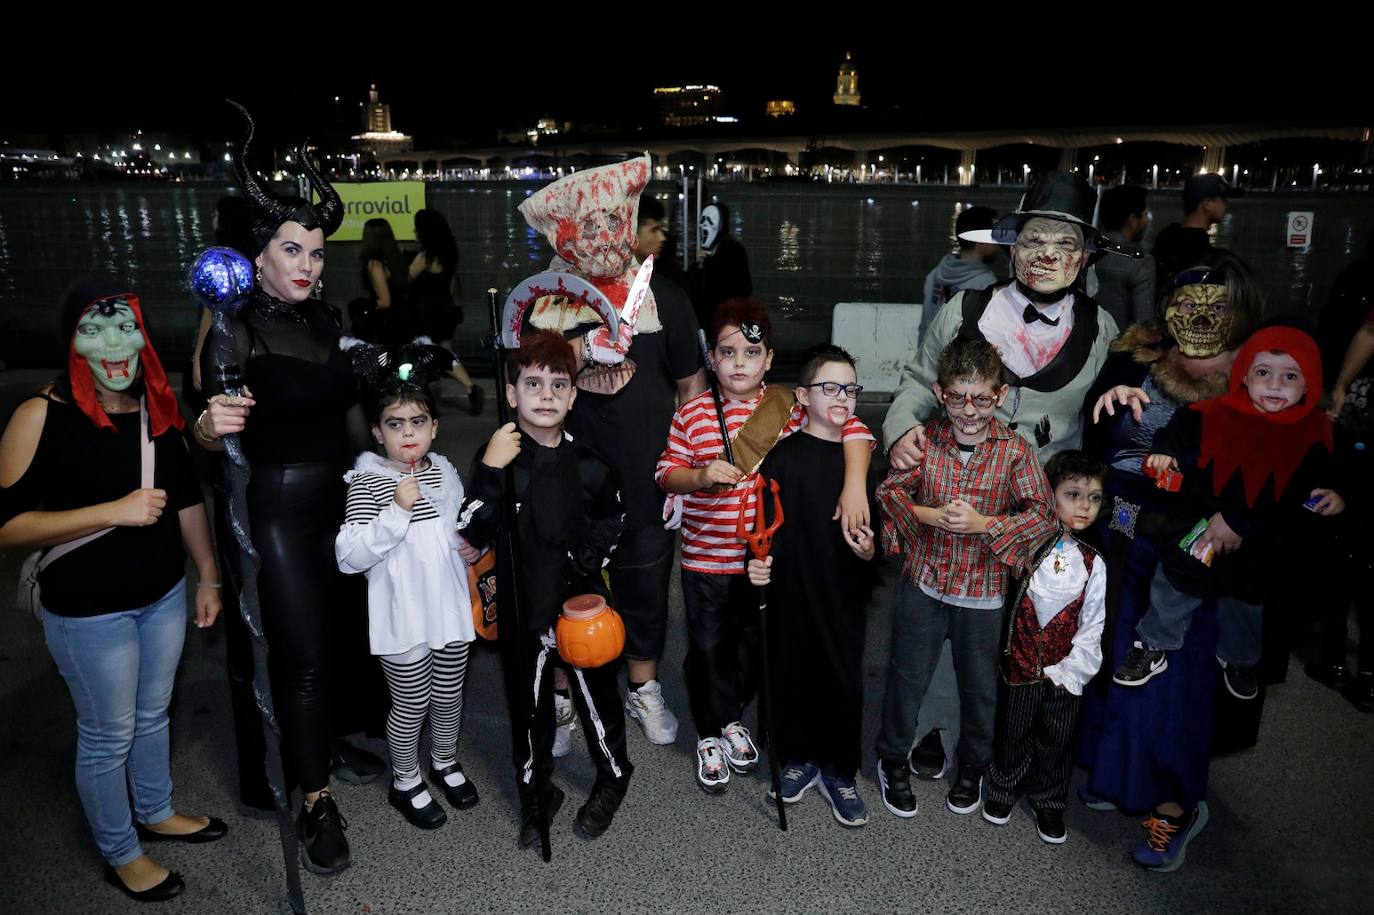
<point>405,784</point>
<point>452,779</point>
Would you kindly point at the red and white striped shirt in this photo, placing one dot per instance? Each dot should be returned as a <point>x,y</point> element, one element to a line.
<point>710,520</point>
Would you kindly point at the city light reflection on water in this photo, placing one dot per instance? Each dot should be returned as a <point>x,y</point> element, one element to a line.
<point>809,247</point>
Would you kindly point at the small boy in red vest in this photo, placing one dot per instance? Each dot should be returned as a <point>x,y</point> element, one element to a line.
<point>1054,647</point>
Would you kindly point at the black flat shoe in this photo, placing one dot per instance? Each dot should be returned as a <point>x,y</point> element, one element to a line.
<point>210,832</point>
<point>430,816</point>
<point>354,765</point>
<point>462,796</point>
<point>167,889</point>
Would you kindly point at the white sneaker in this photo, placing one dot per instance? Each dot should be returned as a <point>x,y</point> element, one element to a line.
<point>713,774</point>
<point>565,718</point>
<point>646,706</point>
<point>739,747</point>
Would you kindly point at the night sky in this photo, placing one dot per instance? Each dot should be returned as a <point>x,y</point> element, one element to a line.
<point>477,89</point>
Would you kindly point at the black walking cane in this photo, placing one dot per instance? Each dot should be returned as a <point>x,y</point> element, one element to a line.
<point>759,540</point>
<point>714,382</point>
<point>222,279</point>
<point>510,626</point>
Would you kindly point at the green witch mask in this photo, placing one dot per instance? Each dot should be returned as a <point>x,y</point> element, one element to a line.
<point>109,338</point>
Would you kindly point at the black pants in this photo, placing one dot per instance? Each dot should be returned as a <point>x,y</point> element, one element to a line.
<point>723,641</point>
<point>1032,752</point>
<point>596,696</point>
<point>640,568</point>
<point>295,510</point>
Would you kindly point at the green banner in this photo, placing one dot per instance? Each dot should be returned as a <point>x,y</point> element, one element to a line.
<point>395,201</point>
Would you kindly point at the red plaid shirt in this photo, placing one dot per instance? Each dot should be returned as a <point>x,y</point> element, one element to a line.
<point>1002,481</point>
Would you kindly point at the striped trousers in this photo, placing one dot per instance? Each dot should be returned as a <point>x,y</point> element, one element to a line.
<point>424,684</point>
<point>1032,749</point>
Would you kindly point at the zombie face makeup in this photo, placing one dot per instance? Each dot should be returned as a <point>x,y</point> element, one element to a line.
<point>292,262</point>
<point>712,224</point>
<point>109,338</point>
<point>541,397</point>
<point>1048,254</point>
<point>1199,315</point>
<point>1077,501</point>
<point>969,404</point>
<point>740,361</point>
<point>827,413</point>
<point>1275,382</point>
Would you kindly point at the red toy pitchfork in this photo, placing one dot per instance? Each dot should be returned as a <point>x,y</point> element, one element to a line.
<point>759,539</point>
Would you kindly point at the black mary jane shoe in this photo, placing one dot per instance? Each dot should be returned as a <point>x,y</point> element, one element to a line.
<point>169,888</point>
<point>430,816</point>
<point>210,832</point>
<point>462,796</point>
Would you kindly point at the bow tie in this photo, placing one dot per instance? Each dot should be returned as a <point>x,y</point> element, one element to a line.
<point>1032,314</point>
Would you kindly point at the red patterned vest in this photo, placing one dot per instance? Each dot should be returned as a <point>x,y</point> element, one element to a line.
<point>1032,649</point>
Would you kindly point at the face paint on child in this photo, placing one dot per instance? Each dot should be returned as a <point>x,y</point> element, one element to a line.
<point>742,357</point>
<point>1077,501</point>
<point>827,413</point>
<point>109,338</point>
<point>970,404</point>
<point>1275,382</point>
<point>541,397</point>
<point>406,432</point>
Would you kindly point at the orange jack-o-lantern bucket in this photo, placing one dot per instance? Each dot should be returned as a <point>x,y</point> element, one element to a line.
<point>589,633</point>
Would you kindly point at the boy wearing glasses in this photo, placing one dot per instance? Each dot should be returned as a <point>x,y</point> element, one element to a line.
<point>820,590</point>
<point>975,505</point>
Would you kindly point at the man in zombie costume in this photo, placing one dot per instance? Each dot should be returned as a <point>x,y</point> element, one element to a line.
<point>1052,337</point>
<point>722,268</point>
<point>625,407</point>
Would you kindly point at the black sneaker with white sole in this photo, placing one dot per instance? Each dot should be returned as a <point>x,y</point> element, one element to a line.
<point>928,760</point>
<point>997,813</point>
<point>967,792</point>
<point>1049,825</point>
<point>894,781</point>
<point>1241,682</point>
<point>1140,665</point>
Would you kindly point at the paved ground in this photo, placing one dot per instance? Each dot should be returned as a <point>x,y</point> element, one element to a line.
<point>1290,828</point>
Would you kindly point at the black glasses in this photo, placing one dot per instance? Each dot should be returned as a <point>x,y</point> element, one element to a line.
<point>833,389</point>
<point>981,401</point>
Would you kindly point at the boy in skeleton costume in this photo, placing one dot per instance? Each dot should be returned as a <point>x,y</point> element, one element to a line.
<point>590,218</point>
<point>1053,340</point>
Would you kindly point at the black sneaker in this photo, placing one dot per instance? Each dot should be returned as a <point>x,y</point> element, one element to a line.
<point>895,784</point>
<point>324,850</point>
<point>1049,825</point>
<point>997,813</point>
<point>594,817</point>
<point>928,761</point>
<point>429,815</point>
<point>529,824</point>
<point>1332,675</point>
<point>967,792</point>
<point>1140,665</point>
<point>475,398</point>
<point>354,765</point>
<point>1241,682</point>
<point>463,795</point>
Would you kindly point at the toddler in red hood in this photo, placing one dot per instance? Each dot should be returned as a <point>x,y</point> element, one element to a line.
<point>1251,459</point>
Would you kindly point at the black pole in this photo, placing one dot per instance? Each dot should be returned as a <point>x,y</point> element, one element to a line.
<point>510,627</point>
<point>236,476</point>
<point>766,703</point>
<point>714,383</point>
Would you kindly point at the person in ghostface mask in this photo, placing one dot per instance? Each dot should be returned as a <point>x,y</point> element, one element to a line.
<point>94,471</point>
<point>722,268</point>
<point>1052,338</point>
<point>305,426</point>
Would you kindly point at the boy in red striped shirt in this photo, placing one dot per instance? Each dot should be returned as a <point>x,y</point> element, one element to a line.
<point>721,608</point>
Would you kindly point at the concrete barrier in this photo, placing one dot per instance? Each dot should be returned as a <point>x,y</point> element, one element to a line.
<point>881,336</point>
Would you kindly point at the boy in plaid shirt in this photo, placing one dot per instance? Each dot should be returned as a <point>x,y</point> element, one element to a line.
<point>974,507</point>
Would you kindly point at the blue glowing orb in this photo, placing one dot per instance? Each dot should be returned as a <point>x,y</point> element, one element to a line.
<point>220,278</point>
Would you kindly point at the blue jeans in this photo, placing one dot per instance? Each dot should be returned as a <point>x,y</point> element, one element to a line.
<point>1240,626</point>
<point>119,668</point>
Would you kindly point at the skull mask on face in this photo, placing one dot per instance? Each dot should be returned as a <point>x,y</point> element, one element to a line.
<point>109,338</point>
<point>1048,254</point>
<point>1199,313</point>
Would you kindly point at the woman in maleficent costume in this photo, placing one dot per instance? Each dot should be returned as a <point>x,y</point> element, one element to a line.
<point>1148,749</point>
<point>299,441</point>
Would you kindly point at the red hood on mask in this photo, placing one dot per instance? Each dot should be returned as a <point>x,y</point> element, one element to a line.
<point>163,411</point>
<point>1239,437</point>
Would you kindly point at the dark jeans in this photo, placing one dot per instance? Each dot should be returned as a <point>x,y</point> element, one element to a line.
<point>1239,625</point>
<point>723,643</point>
<point>920,625</point>
<point>640,568</point>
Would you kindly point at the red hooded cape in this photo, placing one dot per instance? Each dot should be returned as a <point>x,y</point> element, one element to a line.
<point>162,403</point>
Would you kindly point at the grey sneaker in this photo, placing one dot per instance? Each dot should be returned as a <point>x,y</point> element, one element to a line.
<point>565,720</point>
<point>646,706</point>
